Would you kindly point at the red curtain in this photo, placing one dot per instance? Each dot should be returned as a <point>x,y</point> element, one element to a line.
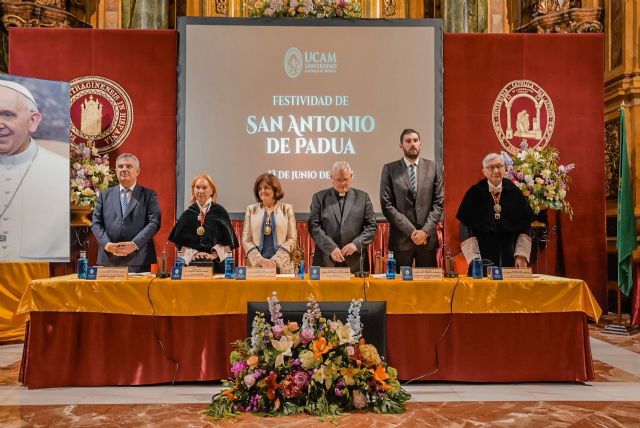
<point>144,63</point>
<point>569,68</point>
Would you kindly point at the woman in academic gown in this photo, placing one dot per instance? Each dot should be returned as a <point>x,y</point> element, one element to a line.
<point>204,230</point>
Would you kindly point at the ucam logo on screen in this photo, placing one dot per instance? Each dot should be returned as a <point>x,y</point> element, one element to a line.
<point>311,62</point>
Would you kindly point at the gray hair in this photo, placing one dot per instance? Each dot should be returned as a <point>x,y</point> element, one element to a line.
<point>341,166</point>
<point>489,157</point>
<point>136,161</point>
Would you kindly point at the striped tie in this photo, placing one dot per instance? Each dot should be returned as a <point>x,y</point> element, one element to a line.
<point>412,177</point>
<point>124,201</point>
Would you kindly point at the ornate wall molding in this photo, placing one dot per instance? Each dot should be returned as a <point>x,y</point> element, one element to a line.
<point>611,158</point>
<point>570,21</point>
<point>30,14</point>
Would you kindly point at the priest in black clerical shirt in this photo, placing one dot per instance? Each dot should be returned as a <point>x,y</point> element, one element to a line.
<point>496,218</point>
<point>342,222</point>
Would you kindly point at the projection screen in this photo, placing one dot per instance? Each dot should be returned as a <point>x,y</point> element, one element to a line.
<point>291,97</point>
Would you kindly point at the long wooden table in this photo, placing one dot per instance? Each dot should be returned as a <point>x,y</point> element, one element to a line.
<point>147,331</point>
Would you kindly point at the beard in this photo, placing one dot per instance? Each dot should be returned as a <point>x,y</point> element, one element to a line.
<point>411,154</point>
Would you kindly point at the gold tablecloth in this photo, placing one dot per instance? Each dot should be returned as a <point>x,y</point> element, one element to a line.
<point>543,294</point>
<point>14,278</point>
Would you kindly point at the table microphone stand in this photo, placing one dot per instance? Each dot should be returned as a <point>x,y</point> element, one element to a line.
<point>361,273</point>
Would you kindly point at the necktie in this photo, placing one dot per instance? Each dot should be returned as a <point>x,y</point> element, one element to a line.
<point>412,177</point>
<point>124,201</point>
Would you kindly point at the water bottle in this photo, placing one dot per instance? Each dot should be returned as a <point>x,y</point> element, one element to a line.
<point>301,270</point>
<point>229,266</point>
<point>180,262</point>
<point>82,265</point>
<point>476,268</point>
<point>391,266</point>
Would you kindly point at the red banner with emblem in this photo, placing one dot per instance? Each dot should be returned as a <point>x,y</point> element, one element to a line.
<point>123,95</point>
<point>548,89</point>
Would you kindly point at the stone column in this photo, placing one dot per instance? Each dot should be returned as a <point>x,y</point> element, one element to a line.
<point>151,14</point>
<point>465,16</point>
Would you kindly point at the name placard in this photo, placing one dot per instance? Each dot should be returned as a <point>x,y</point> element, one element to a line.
<point>495,273</point>
<point>261,273</point>
<point>92,272</point>
<point>427,273</point>
<point>197,272</point>
<point>517,273</point>
<point>335,273</point>
<point>112,272</point>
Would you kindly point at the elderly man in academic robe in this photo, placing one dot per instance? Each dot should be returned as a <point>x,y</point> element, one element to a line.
<point>495,218</point>
<point>34,189</point>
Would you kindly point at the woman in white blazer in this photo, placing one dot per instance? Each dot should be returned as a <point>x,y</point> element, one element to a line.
<point>269,230</point>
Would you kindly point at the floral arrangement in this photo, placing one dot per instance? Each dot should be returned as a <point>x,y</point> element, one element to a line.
<point>537,172</point>
<point>90,173</point>
<point>305,8</point>
<point>323,368</point>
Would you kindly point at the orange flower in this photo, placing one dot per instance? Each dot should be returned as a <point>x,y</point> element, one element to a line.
<point>380,375</point>
<point>293,326</point>
<point>357,356</point>
<point>229,394</point>
<point>272,386</point>
<point>320,347</point>
<point>252,361</point>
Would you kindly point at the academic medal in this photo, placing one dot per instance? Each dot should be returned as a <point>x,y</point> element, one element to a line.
<point>267,227</point>
<point>497,208</point>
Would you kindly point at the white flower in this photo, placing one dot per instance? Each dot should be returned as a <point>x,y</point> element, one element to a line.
<point>249,380</point>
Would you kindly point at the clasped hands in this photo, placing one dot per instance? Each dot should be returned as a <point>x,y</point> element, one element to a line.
<point>267,263</point>
<point>201,255</point>
<point>338,255</point>
<point>419,237</point>
<point>120,249</point>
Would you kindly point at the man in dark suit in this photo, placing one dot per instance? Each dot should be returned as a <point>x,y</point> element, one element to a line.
<point>342,222</point>
<point>411,198</point>
<point>125,219</point>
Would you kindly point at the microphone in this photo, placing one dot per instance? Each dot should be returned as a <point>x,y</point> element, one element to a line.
<point>361,273</point>
<point>163,263</point>
<point>448,265</point>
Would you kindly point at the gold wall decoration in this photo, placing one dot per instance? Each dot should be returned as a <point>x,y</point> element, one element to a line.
<point>389,7</point>
<point>60,4</point>
<point>31,14</point>
<point>575,20</point>
<point>611,158</point>
<point>222,7</point>
<point>616,28</point>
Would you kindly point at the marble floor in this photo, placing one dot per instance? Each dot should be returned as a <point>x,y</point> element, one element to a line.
<point>612,400</point>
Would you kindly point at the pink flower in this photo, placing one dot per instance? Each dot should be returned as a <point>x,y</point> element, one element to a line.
<point>278,331</point>
<point>249,380</point>
<point>300,379</point>
<point>359,400</point>
<point>306,335</point>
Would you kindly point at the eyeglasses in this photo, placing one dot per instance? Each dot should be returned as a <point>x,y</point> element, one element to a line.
<point>494,167</point>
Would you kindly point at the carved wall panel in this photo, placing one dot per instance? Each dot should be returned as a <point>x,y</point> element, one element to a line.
<point>611,158</point>
<point>617,26</point>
